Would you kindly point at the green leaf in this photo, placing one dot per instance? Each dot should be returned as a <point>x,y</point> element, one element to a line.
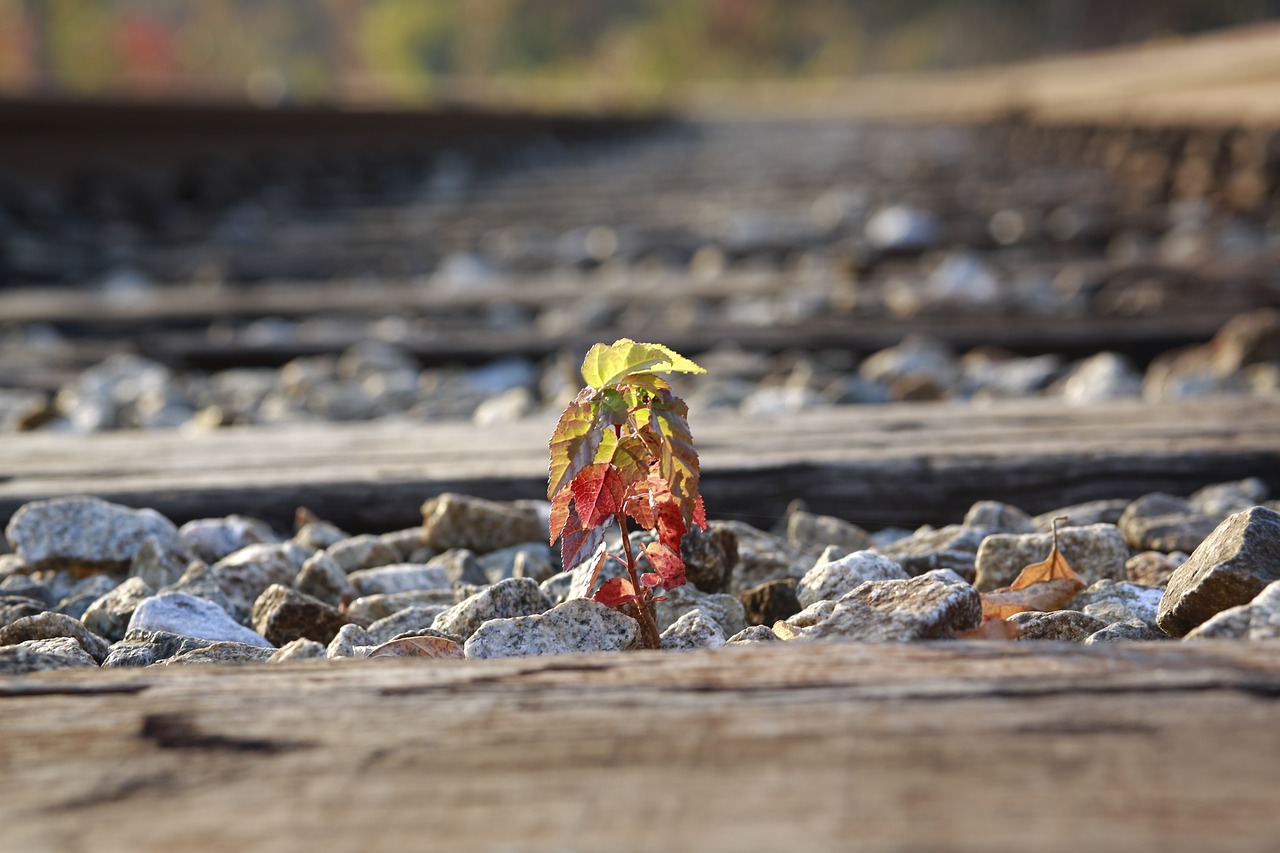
<point>609,364</point>
<point>573,445</point>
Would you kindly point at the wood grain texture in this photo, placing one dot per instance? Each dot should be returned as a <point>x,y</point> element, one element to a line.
<point>905,464</point>
<point>959,746</point>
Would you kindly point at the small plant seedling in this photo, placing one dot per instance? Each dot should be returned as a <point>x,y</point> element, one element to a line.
<point>622,452</point>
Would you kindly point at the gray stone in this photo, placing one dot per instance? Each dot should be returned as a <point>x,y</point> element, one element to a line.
<point>1070,626</point>
<point>710,557</point>
<point>400,577</point>
<point>363,552</point>
<point>158,565</point>
<point>1083,514</point>
<point>1237,560</point>
<point>534,565</point>
<point>81,596</point>
<point>199,580</point>
<point>763,557</point>
<point>1257,620</point>
<point>721,607</point>
<point>1096,552</point>
<point>317,534</point>
<point>299,649</point>
<point>751,635</point>
<point>346,641</point>
<point>1160,522</point>
<point>954,547</point>
<point>1222,499</point>
<point>1105,376</point>
<point>371,608</point>
<point>28,587</point>
<point>1119,601</point>
<point>143,648</point>
<point>932,606</point>
<point>22,658</point>
<point>501,564</point>
<point>48,626</point>
<point>459,521</point>
<point>770,602</point>
<point>211,539</point>
<point>409,620</point>
<point>807,529</point>
<point>405,542</point>
<point>222,653</point>
<point>65,647</point>
<point>282,615</point>
<point>832,580</point>
<point>1152,568</point>
<point>109,615</point>
<point>462,565</point>
<point>693,630</point>
<point>579,625</point>
<point>15,607</point>
<point>504,600</point>
<point>559,587</point>
<point>999,518</point>
<point>178,613</point>
<point>85,533</point>
<point>247,573</point>
<point>1135,631</point>
<point>322,578</point>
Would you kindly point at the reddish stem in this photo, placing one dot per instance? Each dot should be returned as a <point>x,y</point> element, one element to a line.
<point>644,609</point>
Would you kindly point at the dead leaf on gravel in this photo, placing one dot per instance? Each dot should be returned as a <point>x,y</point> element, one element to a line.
<point>418,647</point>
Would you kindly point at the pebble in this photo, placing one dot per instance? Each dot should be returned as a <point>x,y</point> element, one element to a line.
<point>246,574</point>
<point>931,606</point>
<point>363,552</point>
<point>504,600</point>
<point>84,594</point>
<point>222,653</point>
<point>158,564</point>
<point>1237,560</point>
<point>999,517</point>
<point>1160,522</point>
<point>726,610</point>
<point>1070,626</point>
<point>458,521</point>
<point>30,656</point>
<point>751,635</point>
<point>710,557</point>
<point>322,578</point>
<point>762,556</point>
<point>178,613</point>
<point>371,608</point>
<point>299,649</point>
<point>1096,552</point>
<point>832,580</point>
<point>501,564</point>
<point>1119,601</point>
<point>85,533</point>
<point>401,577</point>
<point>1257,620</point>
<point>109,615</point>
<point>410,619</point>
<point>806,530</point>
<point>953,547</point>
<point>282,615</point>
<point>211,539</point>
<point>1152,568</point>
<point>462,565</point>
<point>346,641</point>
<point>693,630</point>
<point>48,626</point>
<point>770,602</point>
<point>579,625</point>
<point>1134,630</point>
<point>141,647</point>
<point>199,581</point>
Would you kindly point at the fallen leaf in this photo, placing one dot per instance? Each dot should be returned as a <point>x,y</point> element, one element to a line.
<point>1043,595</point>
<point>1053,567</point>
<point>992,628</point>
<point>418,647</point>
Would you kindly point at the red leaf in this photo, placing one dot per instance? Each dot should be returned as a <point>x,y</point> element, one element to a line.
<point>615,592</point>
<point>560,513</point>
<point>650,579</point>
<point>668,564</point>
<point>579,542</point>
<point>700,513</point>
<point>598,494</point>
<point>669,520</point>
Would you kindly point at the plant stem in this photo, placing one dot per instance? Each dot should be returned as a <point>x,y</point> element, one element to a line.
<point>644,612</point>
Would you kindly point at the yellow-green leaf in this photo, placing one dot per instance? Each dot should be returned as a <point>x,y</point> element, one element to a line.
<point>609,364</point>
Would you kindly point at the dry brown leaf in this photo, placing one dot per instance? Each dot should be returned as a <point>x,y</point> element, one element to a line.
<point>1044,595</point>
<point>992,628</point>
<point>1053,567</point>
<point>418,647</point>
<point>1046,585</point>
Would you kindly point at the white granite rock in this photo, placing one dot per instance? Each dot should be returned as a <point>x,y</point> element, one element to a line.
<point>192,617</point>
<point>579,625</point>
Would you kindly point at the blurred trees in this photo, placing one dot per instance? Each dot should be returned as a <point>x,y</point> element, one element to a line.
<point>413,49</point>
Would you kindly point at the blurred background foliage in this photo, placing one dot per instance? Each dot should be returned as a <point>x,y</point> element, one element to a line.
<point>275,51</point>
